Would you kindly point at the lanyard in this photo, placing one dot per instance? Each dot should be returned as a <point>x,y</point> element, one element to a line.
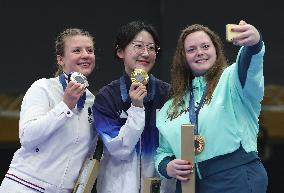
<point>81,101</point>
<point>194,111</point>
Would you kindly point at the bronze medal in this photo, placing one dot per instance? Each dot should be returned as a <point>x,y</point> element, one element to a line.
<point>139,75</point>
<point>198,144</point>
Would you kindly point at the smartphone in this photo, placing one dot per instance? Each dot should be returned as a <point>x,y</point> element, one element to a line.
<point>229,33</point>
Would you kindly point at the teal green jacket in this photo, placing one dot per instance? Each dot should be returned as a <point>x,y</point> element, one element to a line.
<point>229,120</point>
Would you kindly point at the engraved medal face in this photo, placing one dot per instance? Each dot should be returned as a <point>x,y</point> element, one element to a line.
<point>79,78</point>
<point>139,75</point>
<point>198,144</point>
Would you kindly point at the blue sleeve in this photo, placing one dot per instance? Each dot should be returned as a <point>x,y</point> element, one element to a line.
<point>105,120</point>
<point>119,130</point>
<point>163,166</point>
<point>245,60</point>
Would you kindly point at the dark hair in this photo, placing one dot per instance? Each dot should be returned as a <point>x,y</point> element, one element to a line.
<point>60,42</point>
<point>181,75</point>
<point>127,33</point>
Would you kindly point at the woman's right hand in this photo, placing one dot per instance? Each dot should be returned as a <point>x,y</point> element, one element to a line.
<point>72,93</point>
<point>248,34</point>
<point>179,169</point>
<point>137,92</point>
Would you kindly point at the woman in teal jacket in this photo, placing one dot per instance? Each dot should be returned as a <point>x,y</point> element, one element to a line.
<point>223,102</point>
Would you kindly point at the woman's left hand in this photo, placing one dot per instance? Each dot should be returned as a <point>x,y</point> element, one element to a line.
<point>248,34</point>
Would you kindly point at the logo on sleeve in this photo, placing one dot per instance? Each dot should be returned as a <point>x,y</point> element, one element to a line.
<point>123,115</point>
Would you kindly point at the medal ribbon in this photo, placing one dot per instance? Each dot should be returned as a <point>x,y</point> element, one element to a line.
<point>194,111</point>
<point>81,101</point>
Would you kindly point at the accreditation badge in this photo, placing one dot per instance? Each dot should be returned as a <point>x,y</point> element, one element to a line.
<point>139,75</point>
<point>198,144</point>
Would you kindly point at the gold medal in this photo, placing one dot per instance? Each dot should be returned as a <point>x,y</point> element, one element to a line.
<point>139,75</point>
<point>198,144</point>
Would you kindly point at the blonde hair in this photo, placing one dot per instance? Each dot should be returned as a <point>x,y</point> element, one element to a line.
<point>60,43</point>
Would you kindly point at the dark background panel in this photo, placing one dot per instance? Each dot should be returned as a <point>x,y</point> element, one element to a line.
<point>29,28</point>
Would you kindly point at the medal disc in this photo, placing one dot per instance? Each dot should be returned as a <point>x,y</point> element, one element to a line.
<point>198,144</point>
<point>139,75</point>
<point>78,78</point>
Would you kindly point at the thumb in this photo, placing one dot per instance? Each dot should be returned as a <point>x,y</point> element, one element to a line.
<point>242,22</point>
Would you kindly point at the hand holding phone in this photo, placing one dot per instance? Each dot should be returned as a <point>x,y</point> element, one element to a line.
<point>229,33</point>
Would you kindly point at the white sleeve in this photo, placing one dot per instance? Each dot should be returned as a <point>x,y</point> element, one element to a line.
<point>38,119</point>
<point>124,143</point>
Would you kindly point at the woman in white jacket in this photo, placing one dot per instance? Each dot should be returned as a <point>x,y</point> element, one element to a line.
<point>55,123</point>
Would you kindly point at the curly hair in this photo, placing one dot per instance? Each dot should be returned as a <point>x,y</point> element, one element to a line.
<point>182,76</point>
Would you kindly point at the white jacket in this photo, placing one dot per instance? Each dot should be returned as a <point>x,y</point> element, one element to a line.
<point>54,139</point>
<point>120,168</point>
<point>123,128</point>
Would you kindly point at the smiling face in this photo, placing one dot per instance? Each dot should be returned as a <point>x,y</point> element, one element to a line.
<point>139,53</point>
<point>78,55</point>
<point>200,52</point>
